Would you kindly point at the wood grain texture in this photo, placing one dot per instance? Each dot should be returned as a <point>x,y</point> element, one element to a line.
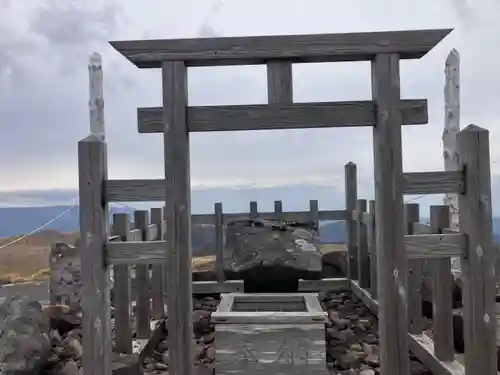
<point>420,228</point>
<point>478,268</point>
<point>136,252</point>
<point>92,172</point>
<point>122,290</point>
<point>411,44</point>
<point>420,345</point>
<point>314,212</point>
<point>351,195</point>
<point>415,267</point>
<point>158,271</point>
<point>442,298</point>
<point>451,127</point>
<point>135,235</point>
<point>96,98</point>
<point>219,242</point>
<point>391,262</point>
<point>151,232</point>
<point>423,347</point>
<point>279,82</point>
<point>433,182</point>
<point>278,210</point>
<point>362,240</point>
<point>435,246</point>
<point>372,249</point>
<point>143,310</point>
<point>254,211</point>
<point>281,116</point>
<point>339,284</point>
<point>178,216</point>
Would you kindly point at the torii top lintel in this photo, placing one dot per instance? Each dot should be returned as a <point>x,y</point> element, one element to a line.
<point>409,44</point>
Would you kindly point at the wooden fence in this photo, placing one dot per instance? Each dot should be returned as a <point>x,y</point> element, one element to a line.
<point>428,249</point>
<point>150,284</point>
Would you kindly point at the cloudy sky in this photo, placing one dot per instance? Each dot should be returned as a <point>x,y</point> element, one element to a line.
<point>44,50</point>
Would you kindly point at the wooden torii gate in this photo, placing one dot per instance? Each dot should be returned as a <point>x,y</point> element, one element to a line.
<point>176,120</point>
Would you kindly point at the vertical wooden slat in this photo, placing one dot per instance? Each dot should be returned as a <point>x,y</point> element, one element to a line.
<point>92,172</point>
<point>278,210</point>
<point>442,286</point>
<point>164,234</point>
<point>178,217</point>
<point>314,213</point>
<point>121,290</point>
<point>415,267</point>
<point>391,261</point>
<point>372,249</point>
<point>254,211</point>
<point>478,267</point>
<point>157,270</point>
<point>219,242</point>
<point>363,260</point>
<point>279,82</point>
<point>143,304</point>
<point>351,195</point>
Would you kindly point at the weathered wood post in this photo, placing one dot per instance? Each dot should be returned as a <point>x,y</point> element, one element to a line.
<point>449,137</point>
<point>219,242</point>
<point>391,261</point>
<point>122,290</point>
<point>278,210</point>
<point>143,310</point>
<point>96,96</point>
<point>442,286</point>
<point>478,266</point>
<point>314,213</point>
<point>451,127</point>
<point>415,267</point>
<point>254,210</point>
<point>92,172</point>
<point>351,195</point>
<point>158,270</point>
<point>363,260</point>
<point>372,250</point>
<point>178,216</point>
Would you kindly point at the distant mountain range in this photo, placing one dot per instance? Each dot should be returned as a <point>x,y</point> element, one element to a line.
<point>15,221</point>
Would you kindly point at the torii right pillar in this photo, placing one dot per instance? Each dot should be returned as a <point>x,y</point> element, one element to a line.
<point>391,261</point>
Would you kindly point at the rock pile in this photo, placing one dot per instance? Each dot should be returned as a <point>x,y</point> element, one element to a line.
<point>351,337</point>
<point>24,336</point>
<point>156,362</point>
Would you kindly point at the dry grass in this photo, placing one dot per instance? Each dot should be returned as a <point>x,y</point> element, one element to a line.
<point>28,259</point>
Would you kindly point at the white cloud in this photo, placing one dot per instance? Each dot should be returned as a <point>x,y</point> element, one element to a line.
<point>44,47</point>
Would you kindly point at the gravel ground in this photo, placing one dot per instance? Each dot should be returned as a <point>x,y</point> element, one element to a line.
<point>351,336</point>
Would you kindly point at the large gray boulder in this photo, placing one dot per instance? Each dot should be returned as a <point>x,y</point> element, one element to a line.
<point>269,252</point>
<point>24,336</point>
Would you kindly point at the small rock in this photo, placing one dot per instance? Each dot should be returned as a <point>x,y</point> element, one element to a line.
<point>356,348</point>
<point>71,348</point>
<point>348,360</point>
<point>372,359</point>
<point>165,358</point>
<point>161,366</point>
<point>162,346</point>
<point>68,368</point>
<point>209,338</point>
<point>370,339</point>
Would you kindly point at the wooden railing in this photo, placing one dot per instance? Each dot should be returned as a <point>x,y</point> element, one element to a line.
<point>428,249</point>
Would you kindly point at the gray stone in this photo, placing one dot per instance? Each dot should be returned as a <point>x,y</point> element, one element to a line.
<point>65,280</point>
<point>280,250</point>
<point>24,336</point>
